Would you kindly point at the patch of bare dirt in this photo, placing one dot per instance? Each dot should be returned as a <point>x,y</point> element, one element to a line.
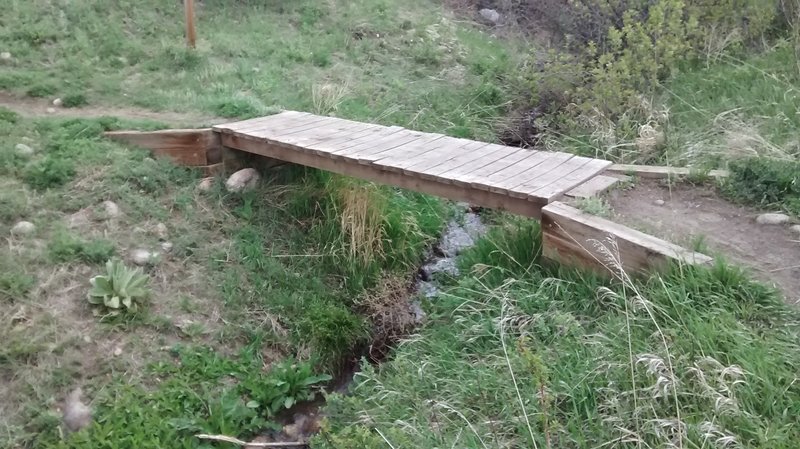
<point>38,107</point>
<point>689,213</point>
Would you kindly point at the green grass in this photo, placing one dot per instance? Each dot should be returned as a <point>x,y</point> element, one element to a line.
<point>275,272</point>
<point>517,355</point>
<point>405,63</point>
<point>735,108</point>
<point>768,183</point>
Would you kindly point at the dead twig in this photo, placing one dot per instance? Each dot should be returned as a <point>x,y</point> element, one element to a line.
<point>239,442</point>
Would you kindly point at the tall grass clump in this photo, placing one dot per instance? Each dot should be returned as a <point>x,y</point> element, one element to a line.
<point>519,355</point>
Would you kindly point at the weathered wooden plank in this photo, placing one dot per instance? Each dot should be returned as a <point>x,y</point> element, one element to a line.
<point>569,180</point>
<point>595,186</point>
<point>185,146</point>
<point>373,173</point>
<point>658,172</point>
<point>575,237</point>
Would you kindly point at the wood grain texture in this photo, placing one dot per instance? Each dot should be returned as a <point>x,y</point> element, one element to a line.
<point>574,237</point>
<point>478,169</point>
<point>659,172</point>
<point>194,147</point>
<point>376,174</point>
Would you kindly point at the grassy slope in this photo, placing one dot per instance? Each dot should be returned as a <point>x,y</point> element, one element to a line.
<point>221,287</point>
<point>373,60</point>
<point>525,356</point>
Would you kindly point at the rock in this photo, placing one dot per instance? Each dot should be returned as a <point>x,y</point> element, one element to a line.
<point>23,228</point>
<point>117,351</point>
<point>80,219</point>
<point>77,415</point>
<point>773,219</point>
<point>166,246</point>
<point>795,229</point>
<point>5,56</point>
<point>51,110</point>
<point>111,209</point>
<point>24,150</point>
<point>205,184</point>
<point>161,231</point>
<point>244,179</point>
<point>490,15</point>
<point>659,202</point>
<point>143,257</point>
<point>58,102</point>
<point>87,339</point>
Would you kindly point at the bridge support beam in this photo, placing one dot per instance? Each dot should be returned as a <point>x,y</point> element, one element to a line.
<point>573,237</point>
<point>369,172</point>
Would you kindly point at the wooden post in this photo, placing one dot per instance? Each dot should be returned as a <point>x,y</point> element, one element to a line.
<point>190,33</point>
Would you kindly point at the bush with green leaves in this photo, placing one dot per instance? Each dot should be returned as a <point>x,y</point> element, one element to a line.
<point>765,182</point>
<point>120,289</point>
<point>49,172</point>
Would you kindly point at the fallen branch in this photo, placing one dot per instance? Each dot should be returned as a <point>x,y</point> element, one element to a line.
<point>239,442</point>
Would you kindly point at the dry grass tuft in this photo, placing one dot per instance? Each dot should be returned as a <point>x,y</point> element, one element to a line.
<point>328,96</point>
<point>362,221</point>
<point>390,312</point>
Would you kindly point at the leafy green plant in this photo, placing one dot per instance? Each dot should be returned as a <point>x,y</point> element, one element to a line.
<point>287,384</point>
<point>120,289</point>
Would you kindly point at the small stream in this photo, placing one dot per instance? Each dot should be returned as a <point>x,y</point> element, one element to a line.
<point>460,234</point>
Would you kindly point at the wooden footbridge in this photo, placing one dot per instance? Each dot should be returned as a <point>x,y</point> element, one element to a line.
<point>495,176</point>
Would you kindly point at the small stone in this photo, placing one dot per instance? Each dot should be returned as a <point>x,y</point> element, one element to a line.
<point>77,415</point>
<point>80,219</point>
<point>24,150</point>
<point>23,228</point>
<point>143,257</point>
<point>51,110</point>
<point>659,202</point>
<point>5,56</point>
<point>117,351</point>
<point>58,102</point>
<point>244,179</point>
<point>773,219</point>
<point>161,231</point>
<point>166,246</point>
<point>795,229</point>
<point>87,339</point>
<point>205,184</point>
<point>111,209</point>
<point>490,15</point>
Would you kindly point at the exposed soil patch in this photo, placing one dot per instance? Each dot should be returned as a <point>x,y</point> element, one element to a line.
<point>38,107</point>
<point>695,212</point>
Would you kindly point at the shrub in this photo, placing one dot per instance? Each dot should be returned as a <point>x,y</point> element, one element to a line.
<point>49,172</point>
<point>7,115</point>
<point>120,289</point>
<point>74,100</point>
<point>42,90</point>
<point>765,182</point>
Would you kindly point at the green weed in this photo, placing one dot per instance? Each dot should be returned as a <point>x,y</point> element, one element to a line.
<point>74,100</point>
<point>8,116</point>
<point>121,289</point>
<point>65,247</point>
<point>765,183</point>
<point>49,172</point>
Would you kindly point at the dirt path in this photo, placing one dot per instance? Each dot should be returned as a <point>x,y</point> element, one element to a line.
<point>37,107</point>
<point>772,253</point>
